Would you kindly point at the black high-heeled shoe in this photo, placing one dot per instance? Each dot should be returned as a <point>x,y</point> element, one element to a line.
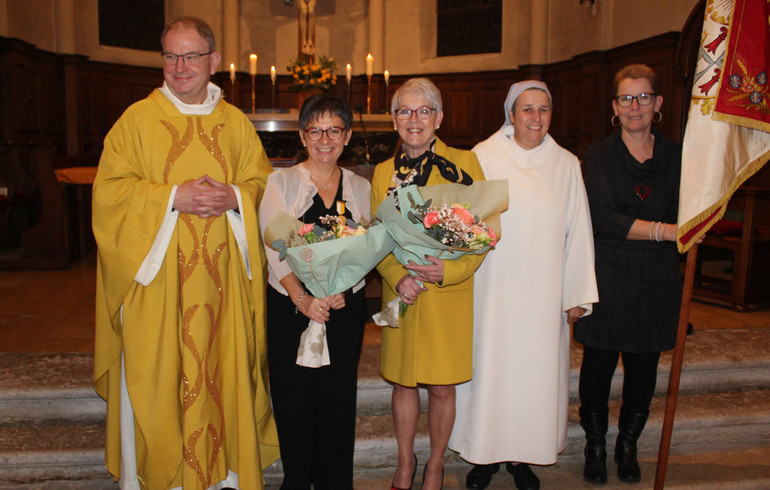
<point>414,472</point>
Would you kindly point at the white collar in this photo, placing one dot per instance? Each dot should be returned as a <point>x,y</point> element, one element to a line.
<point>204,109</point>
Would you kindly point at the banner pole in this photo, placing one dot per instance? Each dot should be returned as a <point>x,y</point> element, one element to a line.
<point>676,369</point>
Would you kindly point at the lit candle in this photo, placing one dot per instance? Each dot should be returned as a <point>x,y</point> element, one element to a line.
<point>252,64</point>
<point>232,72</point>
<point>369,64</point>
<point>386,75</point>
<point>272,73</point>
<point>348,73</point>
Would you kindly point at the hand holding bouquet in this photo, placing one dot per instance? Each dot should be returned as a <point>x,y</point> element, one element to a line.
<point>447,230</point>
<point>328,261</point>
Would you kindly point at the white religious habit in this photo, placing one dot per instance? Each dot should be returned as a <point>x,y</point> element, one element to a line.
<point>515,407</point>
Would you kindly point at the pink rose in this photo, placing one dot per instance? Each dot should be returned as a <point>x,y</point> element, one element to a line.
<point>307,228</point>
<point>463,214</point>
<point>492,235</point>
<point>430,219</point>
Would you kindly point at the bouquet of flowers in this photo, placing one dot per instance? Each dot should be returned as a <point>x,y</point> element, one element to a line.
<point>447,229</point>
<point>309,75</point>
<point>453,225</point>
<point>327,261</point>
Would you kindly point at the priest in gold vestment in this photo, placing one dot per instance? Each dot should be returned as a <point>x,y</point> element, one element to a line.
<point>180,340</point>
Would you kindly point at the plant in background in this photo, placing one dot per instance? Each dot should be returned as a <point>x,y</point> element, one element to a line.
<point>310,75</point>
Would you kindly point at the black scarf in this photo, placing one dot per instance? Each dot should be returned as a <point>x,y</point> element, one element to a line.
<point>415,171</point>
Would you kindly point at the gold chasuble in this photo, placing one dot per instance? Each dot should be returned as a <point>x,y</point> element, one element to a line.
<point>192,338</point>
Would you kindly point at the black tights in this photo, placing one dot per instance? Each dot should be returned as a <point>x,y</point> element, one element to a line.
<point>640,374</point>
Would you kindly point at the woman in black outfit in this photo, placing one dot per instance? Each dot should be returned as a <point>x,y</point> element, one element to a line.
<point>632,180</point>
<point>315,408</point>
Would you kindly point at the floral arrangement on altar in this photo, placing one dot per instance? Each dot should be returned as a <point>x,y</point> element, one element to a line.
<point>310,75</point>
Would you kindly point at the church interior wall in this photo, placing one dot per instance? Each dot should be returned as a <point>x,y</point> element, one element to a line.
<point>269,28</point>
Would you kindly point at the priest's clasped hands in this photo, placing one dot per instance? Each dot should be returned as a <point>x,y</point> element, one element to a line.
<point>205,197</point>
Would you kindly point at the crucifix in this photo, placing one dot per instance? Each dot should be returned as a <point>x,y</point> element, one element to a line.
<point>306,13</point>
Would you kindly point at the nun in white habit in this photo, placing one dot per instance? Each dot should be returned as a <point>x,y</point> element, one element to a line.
<point>538,280</point>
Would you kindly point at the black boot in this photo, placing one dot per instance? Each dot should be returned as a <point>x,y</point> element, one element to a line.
<point>630,427</point>
<point>595,427</point>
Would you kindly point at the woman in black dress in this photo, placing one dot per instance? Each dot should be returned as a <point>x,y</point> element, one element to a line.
<point>632,180</point>
<point>315,408</point>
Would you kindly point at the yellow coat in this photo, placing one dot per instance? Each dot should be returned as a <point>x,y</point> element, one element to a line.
<point>192,338</point>
<point>434,342</point>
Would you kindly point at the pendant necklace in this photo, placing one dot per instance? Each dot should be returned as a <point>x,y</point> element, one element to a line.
<point>318,183</point>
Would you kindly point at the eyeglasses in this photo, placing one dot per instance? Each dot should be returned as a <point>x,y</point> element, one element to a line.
<point>188,58</point>
<point>641,99</point>
<point>315,134</point>
<point>422,113</point>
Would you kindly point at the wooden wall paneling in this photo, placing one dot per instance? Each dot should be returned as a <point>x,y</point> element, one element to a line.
<point>658,53</point>
<point>89,111</point>
<point>24,98</point>
<point>490,109</point>
<point>459,116</point>
<point>33,93</point>
<point>686,57</point>
<point>51,106</point>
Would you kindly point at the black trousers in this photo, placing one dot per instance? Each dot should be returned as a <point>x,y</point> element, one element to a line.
<point>639,378</point>
<point>315,408</point>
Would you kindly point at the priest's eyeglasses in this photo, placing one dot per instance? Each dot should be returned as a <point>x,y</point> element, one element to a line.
<point>642,99</point>
<point>188,58</point>
<point>406,114</point>
<point>315,134</point>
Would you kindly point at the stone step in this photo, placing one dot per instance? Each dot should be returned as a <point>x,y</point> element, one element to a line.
<point>52,429</point>
<point>59,386</point>
<point>705,423</point>
<point>715,360</point>
<point>41,451</point>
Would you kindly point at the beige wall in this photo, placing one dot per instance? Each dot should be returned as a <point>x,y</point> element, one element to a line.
<point>270,30</point>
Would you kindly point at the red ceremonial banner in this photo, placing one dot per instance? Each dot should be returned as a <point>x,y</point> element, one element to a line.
<point>744,93</point>
<point>727,138</point>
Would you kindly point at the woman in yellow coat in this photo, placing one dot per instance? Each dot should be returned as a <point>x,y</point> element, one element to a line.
<point>433,344</point>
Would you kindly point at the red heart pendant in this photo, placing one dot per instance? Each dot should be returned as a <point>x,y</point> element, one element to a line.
<point>642,191</point>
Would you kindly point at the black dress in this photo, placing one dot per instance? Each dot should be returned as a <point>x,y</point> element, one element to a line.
<point>639,281</point>
<point>315,408</point>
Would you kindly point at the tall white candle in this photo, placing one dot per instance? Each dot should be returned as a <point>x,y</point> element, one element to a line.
<point>272,73</point>
<point>386,76</point>
<point>348,73</point>
<point>232,72</point>
<point>369,64</point>
<point>252,64</point>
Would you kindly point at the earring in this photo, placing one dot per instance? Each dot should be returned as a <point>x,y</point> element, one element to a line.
<point>615,123</point>
<point>659,116</point>
<point>438,127</point>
